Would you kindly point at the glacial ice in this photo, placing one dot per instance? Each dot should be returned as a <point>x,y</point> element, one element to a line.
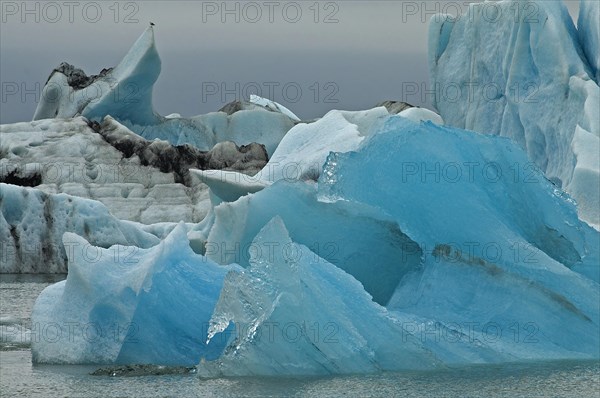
<point>299,314</point>
<point>372,241</point>
<point>475,294</point>
<point>489,271</point>
<point>129,305</point>
<point>125,93</point>
<point>517,69</point>
<point>67,156</point>
<point>300,154</point>
<point>588,26</point>
<point>274,106</point>
<point>32,224</point>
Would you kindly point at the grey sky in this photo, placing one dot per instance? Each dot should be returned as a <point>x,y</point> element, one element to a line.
<point>310,56</point>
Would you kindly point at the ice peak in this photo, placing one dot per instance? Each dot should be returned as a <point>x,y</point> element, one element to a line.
<point>142,53</point>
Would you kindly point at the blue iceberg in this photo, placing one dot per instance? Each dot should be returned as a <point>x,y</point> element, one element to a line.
<point>521,69</point>
<point>129,305</point>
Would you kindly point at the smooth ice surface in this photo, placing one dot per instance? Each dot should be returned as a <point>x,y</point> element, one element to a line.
<point>125,93</point>
<point>501,243</point>
<point>518,69</point>
<point>341,233</point>
<point>129,305</point>
<point>299,314</point>
<point>32,224</point>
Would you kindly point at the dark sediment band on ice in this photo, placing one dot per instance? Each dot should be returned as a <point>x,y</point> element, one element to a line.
<point>179,159</point>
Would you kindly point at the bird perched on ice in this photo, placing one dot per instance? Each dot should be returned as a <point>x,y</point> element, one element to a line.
<point>151,23</point>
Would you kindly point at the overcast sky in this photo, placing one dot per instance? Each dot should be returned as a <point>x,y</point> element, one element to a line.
<point>310,56</point>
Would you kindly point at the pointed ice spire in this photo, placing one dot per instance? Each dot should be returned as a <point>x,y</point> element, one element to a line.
<point>129,92</point>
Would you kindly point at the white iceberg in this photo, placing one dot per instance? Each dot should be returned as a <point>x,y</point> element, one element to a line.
<point>32,224</point>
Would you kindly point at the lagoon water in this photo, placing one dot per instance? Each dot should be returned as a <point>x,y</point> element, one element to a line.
<point>19,378</point>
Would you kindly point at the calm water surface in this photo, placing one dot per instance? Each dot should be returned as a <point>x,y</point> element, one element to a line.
<point>19,378</point>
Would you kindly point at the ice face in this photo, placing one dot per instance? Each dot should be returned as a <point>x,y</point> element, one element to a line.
<point>299,314</point>
<point>343,234</point>
<point>491,240</point>
<point>517,69</point>
<point>129,305</point>
<point>32,224</point>
<point>588,26</point>
<point>67,156</point>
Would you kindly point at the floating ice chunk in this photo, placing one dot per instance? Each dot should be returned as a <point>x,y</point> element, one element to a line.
<point>129,305</point>
<point>125,93</point>
<point>500,242</point>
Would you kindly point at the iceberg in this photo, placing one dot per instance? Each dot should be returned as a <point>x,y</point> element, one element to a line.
<point>125,93</point>
<point>32,224</point>
<point>125,305</point>
<point>388,239</point>
<point>499,246</point>
<point>470,293</point>
<point>136,179</point>
<point>435,279</point>
<point>517,69</point>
